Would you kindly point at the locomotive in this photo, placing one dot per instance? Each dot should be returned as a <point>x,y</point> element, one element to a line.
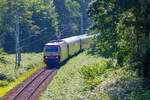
<point>57,51</point>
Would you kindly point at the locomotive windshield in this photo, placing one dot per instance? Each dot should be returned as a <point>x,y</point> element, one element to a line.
<point>51,49</point>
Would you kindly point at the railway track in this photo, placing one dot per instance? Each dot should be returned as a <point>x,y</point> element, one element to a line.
<point>32,88</point>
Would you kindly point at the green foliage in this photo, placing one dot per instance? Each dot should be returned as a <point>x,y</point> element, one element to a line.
<point>90,74</point>
<point>123,30</point>
<point>141,96</point>
<point>3,83</point>
<point>90,71</point>
<point>120,84</point>
<point>2,58</point>
<point>2,76</point>
<point>73,8</point>
<point>70,11</point>
<point>10,76</point>
<point>110,82</point>
<point>93,73</point>
<point>28,61</point>
<point>67,84</point>
<point>37,20</point>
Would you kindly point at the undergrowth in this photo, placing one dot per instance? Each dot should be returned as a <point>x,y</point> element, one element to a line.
<point>9,74</point>
<point>109,82</point>
<point>90,78</point>
<point>67,84</point>
<point>92,73</point>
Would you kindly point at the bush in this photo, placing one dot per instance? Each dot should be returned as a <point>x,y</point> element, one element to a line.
<point>28,62</point>
<point>107,82</point>
<point>92,73</point>
<point>120,84</point>
<point>2,76</point>
<point>2,58</point>
<point>141,96</point>
<point>11,78</point>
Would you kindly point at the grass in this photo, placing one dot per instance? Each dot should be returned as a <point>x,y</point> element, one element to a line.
<point>10,85</point>
<point>119,84</point>
<point>11,76</point>
<point>67,84</point>
<point>95,78</point>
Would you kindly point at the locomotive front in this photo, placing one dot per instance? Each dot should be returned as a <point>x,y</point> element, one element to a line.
<point>51,53</point>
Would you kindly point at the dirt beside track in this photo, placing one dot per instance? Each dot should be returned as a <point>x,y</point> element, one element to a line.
<point>33,85</point>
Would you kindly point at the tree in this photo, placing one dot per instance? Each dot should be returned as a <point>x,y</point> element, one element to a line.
<point>69,16</point>
<point>35,16</point>
<point>123,28</point>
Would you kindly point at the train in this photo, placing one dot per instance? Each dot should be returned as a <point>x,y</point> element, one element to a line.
<point>58,51</point>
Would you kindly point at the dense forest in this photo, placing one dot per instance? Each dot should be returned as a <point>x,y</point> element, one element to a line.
<point>122,27</point>
<point>123,38</point>
<point>123,32</point>
<point>39,22</point>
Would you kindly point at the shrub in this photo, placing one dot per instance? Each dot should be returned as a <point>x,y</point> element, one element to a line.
<point>2,58</point>
<point>92,73</point>
<point>2,76</point>
<point>141,96</point>
<point>120,84</point>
